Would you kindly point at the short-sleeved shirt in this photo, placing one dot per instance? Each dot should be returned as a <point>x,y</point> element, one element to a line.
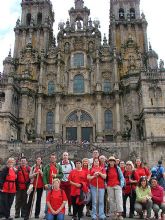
<point>101,181</point>
<point>56,199</point>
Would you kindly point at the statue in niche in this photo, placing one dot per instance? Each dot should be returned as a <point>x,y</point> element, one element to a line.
<point>30,130</point>
<point>131,62</point>
<point>91,47</point>
<point>79,25</point>
<point>67,47</point>
<point>127,129</point>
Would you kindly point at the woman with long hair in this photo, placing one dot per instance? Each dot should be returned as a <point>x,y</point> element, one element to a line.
<point>78,181</point>
<point>131,180</point>
<point>143,198</point>
<point>142,170</point>
<point>96,177</point>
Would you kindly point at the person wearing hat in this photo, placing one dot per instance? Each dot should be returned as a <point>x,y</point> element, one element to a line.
<point>143,198</point>
<point>157,198</point>
<point>115,183</point>
<point>131,180</point>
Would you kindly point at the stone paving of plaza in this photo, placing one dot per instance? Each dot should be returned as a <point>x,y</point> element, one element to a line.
<point>42,212</point>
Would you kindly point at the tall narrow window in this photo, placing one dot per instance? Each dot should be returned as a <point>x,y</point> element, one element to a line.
<point>78,60</point>
<point>107,86</point>
<point>39,18</point>
<point>51,88</point>
<point>49,122</point>
<point>121,13</point>
<point>28,19</point>
<point>78,84</point>
<point>108,120</point>
<point>132,13</point>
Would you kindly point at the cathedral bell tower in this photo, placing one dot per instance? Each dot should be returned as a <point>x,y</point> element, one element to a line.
<point>128,34</point>
<point>35,26</point>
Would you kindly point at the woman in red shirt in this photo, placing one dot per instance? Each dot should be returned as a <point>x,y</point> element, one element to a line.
<point>77,178</point>
<point>97,176</point>
<point>131,180</point>
<point>56,200</point>
<point>8,187</point>
<point>142,170</point>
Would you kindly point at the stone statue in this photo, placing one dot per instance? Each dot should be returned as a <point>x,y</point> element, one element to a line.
<point>30,130</point>
<point>67,47</point>
<point>61,26</point>
<point>79,25</point>
<point>18,22</point>
<point>161,64</point>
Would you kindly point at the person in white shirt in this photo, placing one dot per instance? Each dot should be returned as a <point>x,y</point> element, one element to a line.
<point>67,167</point>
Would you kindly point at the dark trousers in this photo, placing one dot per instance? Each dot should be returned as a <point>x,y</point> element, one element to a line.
<point>7,201</point>
<point>1,208</point>
<point>67,188</point>
<point>21,203</point>
<point>39,192</point>
<point>77,209</point>
<point>132,197</point>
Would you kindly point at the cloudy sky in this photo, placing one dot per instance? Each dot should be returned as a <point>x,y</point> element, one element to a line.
<point>154,11</point>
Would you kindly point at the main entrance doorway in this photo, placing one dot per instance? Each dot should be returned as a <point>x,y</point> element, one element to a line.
<point>86,134</point>
<point>71,134</point>
<point>79,126</point>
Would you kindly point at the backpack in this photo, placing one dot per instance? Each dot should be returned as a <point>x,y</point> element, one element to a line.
<point>70,162</point>
<point>158,173</point>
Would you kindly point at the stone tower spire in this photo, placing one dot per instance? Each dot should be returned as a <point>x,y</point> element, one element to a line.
<point>128,31</point>
<point>125,20</point>
<point>79,4</point>
<point>36,24</point>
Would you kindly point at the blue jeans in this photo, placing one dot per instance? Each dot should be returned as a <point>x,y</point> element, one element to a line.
<point>50,216</point>
<point>101,192</point>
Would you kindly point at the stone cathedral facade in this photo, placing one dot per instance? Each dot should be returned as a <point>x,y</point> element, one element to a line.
<point>79,85</point>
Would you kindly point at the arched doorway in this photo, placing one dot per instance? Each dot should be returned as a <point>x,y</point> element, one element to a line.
<point>79,127</point>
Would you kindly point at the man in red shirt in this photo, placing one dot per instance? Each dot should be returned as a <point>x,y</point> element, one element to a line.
<point>51,171</point>
<point>157,198</point>
<point>23,181</point>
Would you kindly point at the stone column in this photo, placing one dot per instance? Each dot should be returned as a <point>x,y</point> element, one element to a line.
<point>39,116</point>
<point>16,45</point>
<point>45,46</point>
<point>99,119</point>
<point>57,116</point>
<point>58,72</point>
<point>24,39</point>
<point>144,26</point>
<point>116,89</point>
<point>98,78</point>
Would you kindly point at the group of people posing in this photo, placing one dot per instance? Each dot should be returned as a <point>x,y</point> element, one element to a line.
<point>102,185</point>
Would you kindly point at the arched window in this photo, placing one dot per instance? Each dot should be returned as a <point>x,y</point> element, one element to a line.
<point>107,86</point>
<point>51,88</point>
<point>49,122</point>
<point>78,60</point>
<point>73,116</point>
<point>78,84</point>
<point>108,120</point>
<point>132,13</point>
<point>85,116</point>
<point>39,18</point>
<point>121,13</point>
<point>28,19</point>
